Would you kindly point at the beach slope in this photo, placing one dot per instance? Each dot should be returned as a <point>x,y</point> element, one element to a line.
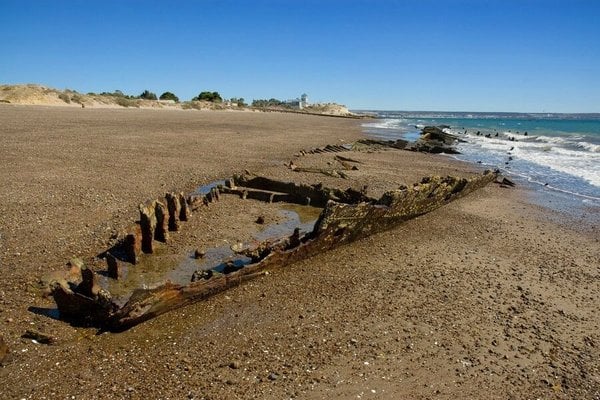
<point>487,297</point>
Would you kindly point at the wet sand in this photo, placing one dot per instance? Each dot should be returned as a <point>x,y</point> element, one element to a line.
<point>489,297</point>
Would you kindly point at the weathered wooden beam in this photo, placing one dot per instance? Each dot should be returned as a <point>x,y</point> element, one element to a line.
<point>316,195</point>
<point>260,195</point>
<point>174,207</point>
<point>147,304</point>
<point>114,267</point>
<point>95,309</point>
<point>133,244</point>
<point>328,172</point>
<point>148,225</point>
<point>184,212</point>
<point>347,159</point>
<point>161,232</point>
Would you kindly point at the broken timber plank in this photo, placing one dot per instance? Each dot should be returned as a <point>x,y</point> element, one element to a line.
<point>347,159</point>
<point>328,172</point>
<point>316,195</point>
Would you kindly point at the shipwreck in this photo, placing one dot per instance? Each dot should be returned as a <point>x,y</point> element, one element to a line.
<point>347,215</point>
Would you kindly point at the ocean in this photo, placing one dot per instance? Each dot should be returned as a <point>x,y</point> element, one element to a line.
<point>553,152</point>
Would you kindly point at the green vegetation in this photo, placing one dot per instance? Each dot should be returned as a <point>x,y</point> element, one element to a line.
<point>126,102</point>
<point>191,105</point>
<point>238,101</point>
<point>70,96</point>
<point>213,97</point>
<point>169,96</point>
<point>261,103</point>
<point>117,97</point>
<point>65,97</point>
<point>147,95</point>
<point>76,98</point>
<point>117,93</point>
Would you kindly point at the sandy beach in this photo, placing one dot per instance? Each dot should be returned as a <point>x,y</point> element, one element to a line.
<point>491,296</point>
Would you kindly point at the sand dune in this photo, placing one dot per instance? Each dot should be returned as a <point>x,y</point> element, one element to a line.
<point>35,94</point>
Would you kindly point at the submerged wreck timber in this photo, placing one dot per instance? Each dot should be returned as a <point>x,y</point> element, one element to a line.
<point>347,215</point>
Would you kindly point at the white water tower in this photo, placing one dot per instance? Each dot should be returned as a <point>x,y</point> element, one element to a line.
<point>303,101</point>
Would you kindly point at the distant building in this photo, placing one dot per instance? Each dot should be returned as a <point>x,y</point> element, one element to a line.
<point>300,103</point>
<point>303,101</point>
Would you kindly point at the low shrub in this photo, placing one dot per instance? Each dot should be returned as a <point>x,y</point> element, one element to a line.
<point>191,105</point>
<point>125,102</point>
<point>76,98</point>
<point>169,96</point>
<point>213,97</point>
<point>65,97</point>
<point>147,95</point>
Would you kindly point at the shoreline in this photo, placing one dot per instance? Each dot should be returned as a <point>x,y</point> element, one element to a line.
<point>555,198</point>
<point>573,206</point>
<point>486,294</point>
<point>557,153</point>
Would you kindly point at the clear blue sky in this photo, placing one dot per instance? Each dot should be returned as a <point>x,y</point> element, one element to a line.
<point>475,55</point>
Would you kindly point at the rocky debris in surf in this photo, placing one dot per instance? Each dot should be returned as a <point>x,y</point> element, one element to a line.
<point>437,133</point>
<point>504,182</point>
<point>434,140</point>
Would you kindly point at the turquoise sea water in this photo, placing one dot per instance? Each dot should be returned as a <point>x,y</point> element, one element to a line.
<point>559,152</point>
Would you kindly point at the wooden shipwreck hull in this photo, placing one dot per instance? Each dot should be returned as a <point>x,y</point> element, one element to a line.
<point>346,217</point>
